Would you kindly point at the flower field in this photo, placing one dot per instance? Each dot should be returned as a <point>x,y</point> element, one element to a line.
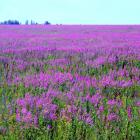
<point>63,82</point>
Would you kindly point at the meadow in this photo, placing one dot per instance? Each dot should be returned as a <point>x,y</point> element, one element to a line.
<point>61,82</point>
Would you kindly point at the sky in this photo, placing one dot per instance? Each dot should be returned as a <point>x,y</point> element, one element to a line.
<point>72,11</point>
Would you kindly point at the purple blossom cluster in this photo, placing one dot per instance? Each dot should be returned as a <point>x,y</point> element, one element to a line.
<point>30,108</point>
<point>43,80</point>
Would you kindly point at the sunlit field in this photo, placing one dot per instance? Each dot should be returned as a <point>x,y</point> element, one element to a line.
<point>69,82</point>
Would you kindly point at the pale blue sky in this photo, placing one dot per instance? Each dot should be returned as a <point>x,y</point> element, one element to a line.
<point>72,11</point>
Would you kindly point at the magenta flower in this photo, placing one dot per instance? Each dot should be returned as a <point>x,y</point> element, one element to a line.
<point>112,117</point>
<point>95,99</point>
<point>27,118</point>
<point>100,110</point>
<point>24,111</point>
<point>35,120</point>
<point>18,117</point>
<point>138,103</point>
<point>113,102</point>
<point>129,113</point>
<point>52,116</point>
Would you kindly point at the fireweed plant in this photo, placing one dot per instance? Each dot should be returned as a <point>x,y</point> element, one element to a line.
<point>69,82</point>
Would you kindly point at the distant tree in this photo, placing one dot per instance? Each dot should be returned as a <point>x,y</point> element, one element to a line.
<point>32,22</point>
<point>11,22</point>
<point>16,22</point>
<point>26,22</point>
<point>47,23</point>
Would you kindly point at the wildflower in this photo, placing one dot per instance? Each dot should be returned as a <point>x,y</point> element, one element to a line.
<point>95,99</point>
<point>129,113</point>
<point>138,103</point>
<point>27,118</point>
<point>112,117</point>
<point>52,116</point>
<point>24,111</point>
<point>21,102</point>
<point>18,117</point>
<point>100,110</point>
<point>35,120</point>
<point>113,102</point>
<point>49,127</point>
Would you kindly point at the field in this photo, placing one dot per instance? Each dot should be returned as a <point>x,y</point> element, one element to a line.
<point>69,82</point>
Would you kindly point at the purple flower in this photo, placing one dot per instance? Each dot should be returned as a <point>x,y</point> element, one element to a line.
<point>138,103</point>
<point>49,127</point>
<point>100,61</point>
<point>124,84</point>
<point>39,103</point>
<point>52,116</point>
<point>100,110</point>
<point>89,120</point>
<point>112,117</point>
<point>113,102</point>
<point>24,111</point>
<point>18,117</point>
<point>95,99</point>
<point>21,102</point>
<point>35,120</point>
<point>27,118</point>
<point>129,112</point>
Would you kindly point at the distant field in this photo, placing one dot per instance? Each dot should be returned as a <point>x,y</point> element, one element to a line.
<point>69,82</point>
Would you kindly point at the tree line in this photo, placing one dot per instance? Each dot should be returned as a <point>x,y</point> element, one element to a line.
<point>27,22</point>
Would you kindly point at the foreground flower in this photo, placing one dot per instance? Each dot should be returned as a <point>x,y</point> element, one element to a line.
<point>112,117</point>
